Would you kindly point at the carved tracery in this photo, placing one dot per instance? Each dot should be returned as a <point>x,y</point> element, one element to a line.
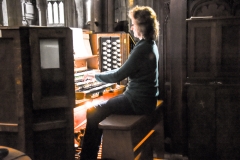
<point>210,8</point>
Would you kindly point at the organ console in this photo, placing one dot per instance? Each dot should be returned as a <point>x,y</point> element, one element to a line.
<point>107,51</point>
<point>43,97</point>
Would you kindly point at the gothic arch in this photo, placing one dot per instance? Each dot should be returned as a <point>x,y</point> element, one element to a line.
<point>210,8</point>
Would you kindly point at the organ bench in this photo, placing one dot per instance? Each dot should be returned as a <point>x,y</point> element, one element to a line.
<point>133,137</point>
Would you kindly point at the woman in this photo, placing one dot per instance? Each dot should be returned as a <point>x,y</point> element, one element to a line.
<point>141,68</point>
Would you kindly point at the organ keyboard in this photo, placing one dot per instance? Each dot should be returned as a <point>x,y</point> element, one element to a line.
<point>89,88</point>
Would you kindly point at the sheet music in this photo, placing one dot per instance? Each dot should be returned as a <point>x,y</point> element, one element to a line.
<point>81,44</point>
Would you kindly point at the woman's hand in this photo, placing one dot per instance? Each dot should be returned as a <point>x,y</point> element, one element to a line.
<point>89,76</point>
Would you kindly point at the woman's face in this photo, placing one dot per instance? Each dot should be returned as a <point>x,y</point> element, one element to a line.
<point>135,29</point>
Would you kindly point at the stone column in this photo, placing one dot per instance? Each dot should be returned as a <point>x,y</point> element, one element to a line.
<point>14,13</point>
<point>80,11</point>
<point>108,15</point>
<point>42,12</point>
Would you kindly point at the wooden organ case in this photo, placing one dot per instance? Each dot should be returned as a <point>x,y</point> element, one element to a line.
<point>213,88</point>
<point>107,51</point>
<point>37,91</point>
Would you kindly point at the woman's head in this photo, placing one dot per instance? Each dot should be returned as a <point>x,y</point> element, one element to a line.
<point>144,22</point>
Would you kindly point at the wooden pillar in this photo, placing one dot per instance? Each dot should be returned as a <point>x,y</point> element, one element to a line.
<point>177,50</point>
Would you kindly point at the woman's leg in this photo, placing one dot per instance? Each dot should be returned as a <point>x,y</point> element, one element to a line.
<point>92,137</point>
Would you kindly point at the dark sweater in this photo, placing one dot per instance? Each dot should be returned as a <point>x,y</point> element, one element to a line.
<point>142,70</point>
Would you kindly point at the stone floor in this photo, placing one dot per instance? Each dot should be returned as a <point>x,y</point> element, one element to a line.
<point>167,156</point>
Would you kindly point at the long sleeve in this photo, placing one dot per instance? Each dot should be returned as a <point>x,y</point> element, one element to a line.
<point>130,67</point>
<point>141,69</point>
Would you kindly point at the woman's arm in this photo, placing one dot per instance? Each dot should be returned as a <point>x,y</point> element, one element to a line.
<point>128,68</point>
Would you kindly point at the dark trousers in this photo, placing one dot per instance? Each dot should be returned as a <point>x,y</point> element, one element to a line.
<point>93,135</point>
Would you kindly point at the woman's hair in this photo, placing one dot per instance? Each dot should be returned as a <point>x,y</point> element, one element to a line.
<point>146,20</point>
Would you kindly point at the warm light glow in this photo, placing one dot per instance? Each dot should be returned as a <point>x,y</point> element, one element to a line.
<point>131,3</point>
<point>8,124</point>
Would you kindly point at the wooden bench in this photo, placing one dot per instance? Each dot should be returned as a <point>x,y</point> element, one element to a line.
<point>133,137</point>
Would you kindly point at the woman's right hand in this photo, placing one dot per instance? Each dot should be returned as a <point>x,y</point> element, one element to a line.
<point>89,76</point>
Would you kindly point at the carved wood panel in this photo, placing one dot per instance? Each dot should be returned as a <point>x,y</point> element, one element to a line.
<point>215,8</point>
